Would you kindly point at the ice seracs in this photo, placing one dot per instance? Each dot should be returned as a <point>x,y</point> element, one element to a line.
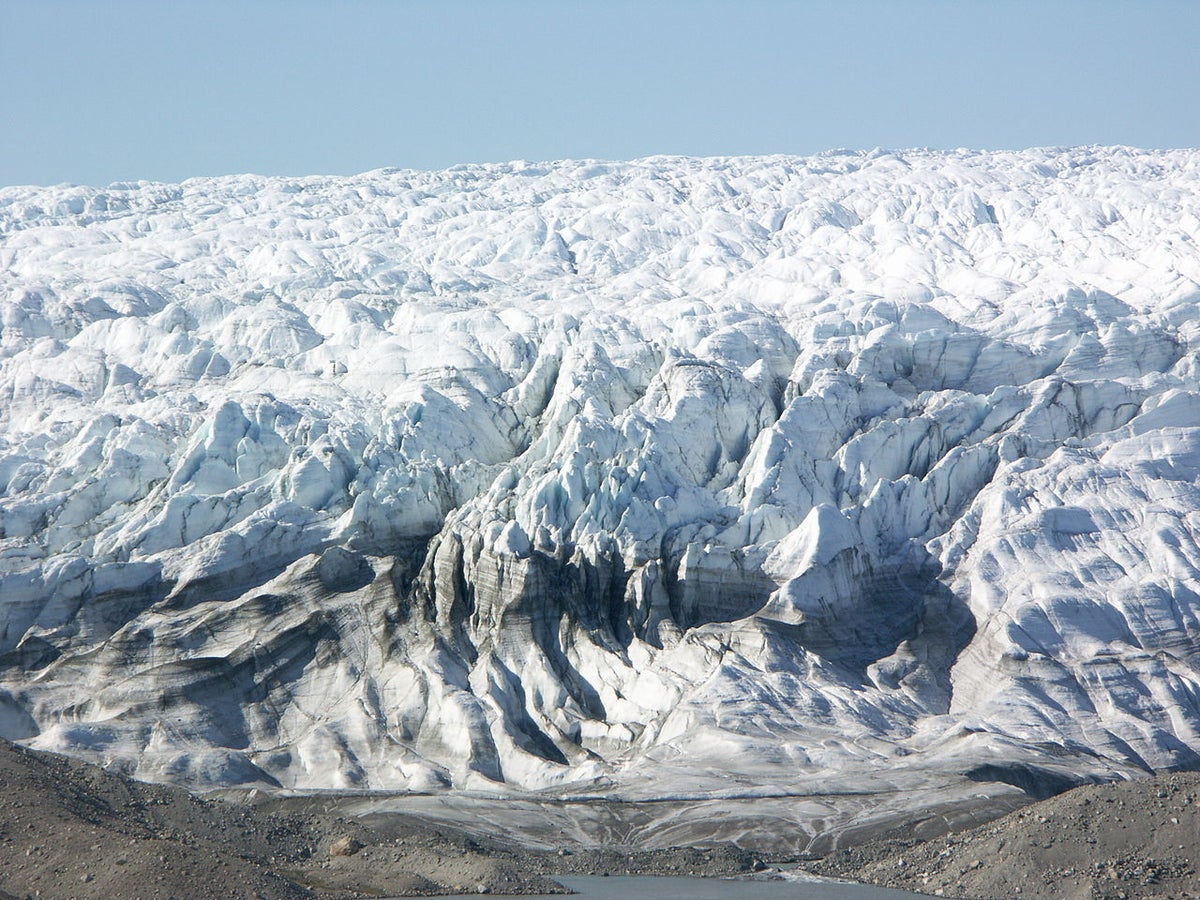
<point>667,478</point>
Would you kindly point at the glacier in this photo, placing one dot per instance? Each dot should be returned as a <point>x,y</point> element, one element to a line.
<point>862,474</point>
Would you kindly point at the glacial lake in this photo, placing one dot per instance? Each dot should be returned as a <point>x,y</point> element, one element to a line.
<point>644,887</point>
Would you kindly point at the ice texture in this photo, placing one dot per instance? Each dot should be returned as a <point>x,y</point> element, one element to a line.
<point>678,477</point>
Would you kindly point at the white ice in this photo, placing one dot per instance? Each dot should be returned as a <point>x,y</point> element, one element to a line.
<point>673,477</point>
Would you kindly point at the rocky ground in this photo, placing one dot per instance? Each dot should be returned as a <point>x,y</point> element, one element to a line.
<point>73,830</point>
<point>1116,841</point>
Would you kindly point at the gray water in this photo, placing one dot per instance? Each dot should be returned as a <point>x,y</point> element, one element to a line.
<point>644,887</point>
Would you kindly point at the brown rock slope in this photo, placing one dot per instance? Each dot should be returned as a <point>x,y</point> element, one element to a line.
<point>1119,841</point>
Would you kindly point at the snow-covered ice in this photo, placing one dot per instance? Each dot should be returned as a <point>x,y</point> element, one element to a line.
<point>667,478</point>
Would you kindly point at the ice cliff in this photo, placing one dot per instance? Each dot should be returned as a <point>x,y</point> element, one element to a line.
<point>671,477</point>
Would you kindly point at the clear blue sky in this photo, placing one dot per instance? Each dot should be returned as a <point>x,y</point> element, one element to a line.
<point>94,92</point>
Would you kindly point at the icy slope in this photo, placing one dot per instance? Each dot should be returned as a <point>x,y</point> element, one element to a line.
<point>671,477</point>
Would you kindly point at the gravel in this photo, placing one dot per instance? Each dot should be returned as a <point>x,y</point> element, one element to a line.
<point>1108,842</point>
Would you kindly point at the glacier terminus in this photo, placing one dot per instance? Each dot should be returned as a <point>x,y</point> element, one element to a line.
<point>854,486</point>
